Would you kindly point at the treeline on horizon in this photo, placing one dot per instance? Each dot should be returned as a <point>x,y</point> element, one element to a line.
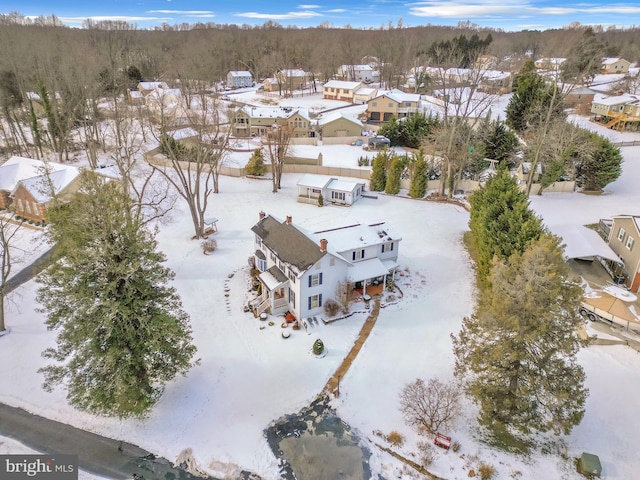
<point>208,51</point>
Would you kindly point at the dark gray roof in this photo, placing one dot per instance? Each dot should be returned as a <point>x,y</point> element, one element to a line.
<point>277,274</point>
<point>289,244</point>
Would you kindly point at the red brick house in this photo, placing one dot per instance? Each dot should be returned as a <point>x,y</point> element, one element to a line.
<point>27,186</point>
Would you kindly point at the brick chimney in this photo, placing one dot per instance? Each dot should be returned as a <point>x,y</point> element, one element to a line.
<point>288,220</point>
<point>323,244</point>
<point>262,215</point>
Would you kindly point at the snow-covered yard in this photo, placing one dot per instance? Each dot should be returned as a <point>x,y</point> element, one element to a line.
<point>249,376</point>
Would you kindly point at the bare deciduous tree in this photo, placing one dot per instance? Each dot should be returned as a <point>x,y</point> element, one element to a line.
<point>430,406</point>
<point>8,231</point>
<point>278,141</point>
<point>194,170</point>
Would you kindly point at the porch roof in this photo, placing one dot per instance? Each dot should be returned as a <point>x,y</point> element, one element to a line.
<point>582,242</point>
<point>366,269</point>
<point>272,278</point>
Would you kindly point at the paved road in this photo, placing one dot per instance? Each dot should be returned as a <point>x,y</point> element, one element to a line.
<point>27,273</point>
<point>96,454</point>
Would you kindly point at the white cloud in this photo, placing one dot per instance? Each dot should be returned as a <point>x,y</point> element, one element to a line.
<point>308,7</point>
<point>494,8</point>
<point>464,10</point>
<point>278,16</point>
<point>337,10</point>
<point>183,12</point>
<point>620,9</point>
<point>100,18</point>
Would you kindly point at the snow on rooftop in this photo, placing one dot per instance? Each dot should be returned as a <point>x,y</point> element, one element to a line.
<point>350,237</point>
<point>32,174</point>
<point>341,84</point>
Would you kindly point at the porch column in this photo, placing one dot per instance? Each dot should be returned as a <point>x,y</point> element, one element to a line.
<point>384,283</point>
<point>364,287</point>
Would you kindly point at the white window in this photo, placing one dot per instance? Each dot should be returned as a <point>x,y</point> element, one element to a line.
<point>315,280</point>
<point>315,301</point>
<point>292,276</point>
<point>621,234</point>
<point>272,256</point>
<point>338,195</point>
<point>357,255</point>
<point>20,207</point>
<point>258,241</point>
<point>630,242</point>
<point>292,298</point>
<point>262,264</point>
<point>27,204</point>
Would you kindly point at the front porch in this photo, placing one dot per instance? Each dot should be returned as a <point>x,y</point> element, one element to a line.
<point>273,297</point>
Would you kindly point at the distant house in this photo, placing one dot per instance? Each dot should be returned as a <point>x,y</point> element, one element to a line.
<point>495,81</point>
<point>579,96</point>
<point>549,63</point>
<point>239,79</point>
<point>27,186</point>
<point>619,111</point>
<point>615,65</point>
<point>302,270</point>
<point>393,103</point>
<point>358,73</point>
<point>135,97</point>
<point>146,88</point>
<point>340,90</point>
<point>486,62</point>
<point>339,124</point>
<point>271,84</point>
<point>257,121</point>
<point>458,75</point>
<point>340,192</point>
<point>622,232</point>
<point>292,79</point>
<point>363,95</point>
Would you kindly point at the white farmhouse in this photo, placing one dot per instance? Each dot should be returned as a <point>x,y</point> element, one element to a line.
<point>301,270</point>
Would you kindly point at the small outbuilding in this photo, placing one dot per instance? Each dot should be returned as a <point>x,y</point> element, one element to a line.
<point>589,465</point>
<point>333,190</point>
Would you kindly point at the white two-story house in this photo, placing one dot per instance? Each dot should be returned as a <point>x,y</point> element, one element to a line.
<point>301,270</point>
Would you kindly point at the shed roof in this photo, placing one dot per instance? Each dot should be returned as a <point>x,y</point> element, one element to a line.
<point>314,181</point>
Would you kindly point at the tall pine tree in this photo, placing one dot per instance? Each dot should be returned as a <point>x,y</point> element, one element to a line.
<point>122,332</point>
<point>379,167</point>
<point>418,187</point>
<point>501,222</point>
<point>517,353</point>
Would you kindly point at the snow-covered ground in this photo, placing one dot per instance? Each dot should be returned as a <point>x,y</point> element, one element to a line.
<point>249,376</point>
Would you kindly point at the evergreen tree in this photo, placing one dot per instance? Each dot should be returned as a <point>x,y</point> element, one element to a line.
<point>379,165</point>
<point>500,143</point>
<point>584,61</point>
<point>501,222</point>
<point>532,99</point>
<point>122,332</point>
<point>517,353</point>
<point>410,131</point>
<point>255,165</point>
<point>418,188</point>
<point>398,164</point>
<point>600,165</point>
